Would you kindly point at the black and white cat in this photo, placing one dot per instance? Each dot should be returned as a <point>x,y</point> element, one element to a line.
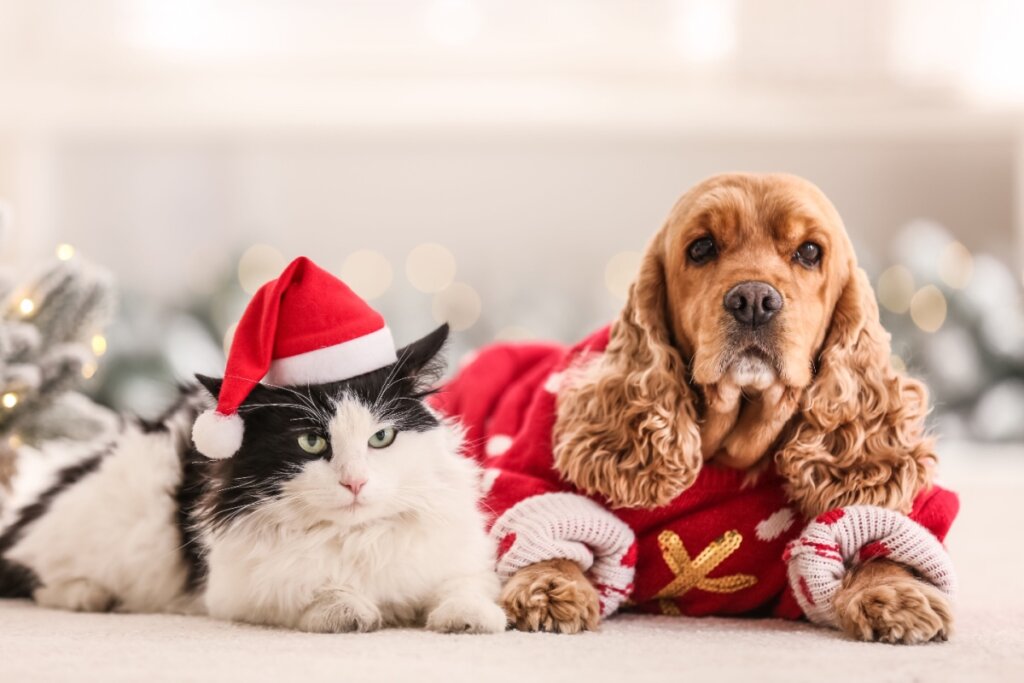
<point>348,507</point>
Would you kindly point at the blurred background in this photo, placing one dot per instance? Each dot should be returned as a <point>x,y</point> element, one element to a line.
<point>501,164</point>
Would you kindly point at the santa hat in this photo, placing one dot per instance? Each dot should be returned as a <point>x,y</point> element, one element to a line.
<point>305,327</point>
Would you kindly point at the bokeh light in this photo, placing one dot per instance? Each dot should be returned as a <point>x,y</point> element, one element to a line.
<point>259,265</point>
<point>99,344</point>
<point>895,288</point>
<point>993,289</point>
<point>620,272</point>
<point>956,265</point>
<point>458,305</point>
<point>430,268</point>
<point>26,306</point>
<point>928,308</point>
<point>89,370</point>
<point>897,363</point>
<point>919,245</point>
<point>9,400</point>
<point>65,252</point>
<point>368,273</point>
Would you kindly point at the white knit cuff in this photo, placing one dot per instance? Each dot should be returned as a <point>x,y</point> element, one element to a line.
<point>569,526</point>
<point>841,538</point>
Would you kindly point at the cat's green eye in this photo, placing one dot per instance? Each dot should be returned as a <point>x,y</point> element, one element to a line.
<point>383,438</point>
<point>314,444</point>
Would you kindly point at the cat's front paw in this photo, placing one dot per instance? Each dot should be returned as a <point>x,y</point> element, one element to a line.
<point>467,615</point>
<point>78,595</point>
<point>339,611</point>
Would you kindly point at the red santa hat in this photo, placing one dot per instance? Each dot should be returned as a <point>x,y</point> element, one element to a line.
<point>305,327</point>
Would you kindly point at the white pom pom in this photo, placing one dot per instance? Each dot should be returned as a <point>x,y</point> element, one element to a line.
<point>218,436</point>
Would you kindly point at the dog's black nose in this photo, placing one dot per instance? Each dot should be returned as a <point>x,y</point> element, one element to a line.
<point>753,303</point>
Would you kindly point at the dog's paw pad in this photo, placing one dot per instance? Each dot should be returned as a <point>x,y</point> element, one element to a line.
<point>544,598</point>
<point>902,610</point>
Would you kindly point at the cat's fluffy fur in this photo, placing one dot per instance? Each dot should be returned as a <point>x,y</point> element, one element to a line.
<point>270,536</point>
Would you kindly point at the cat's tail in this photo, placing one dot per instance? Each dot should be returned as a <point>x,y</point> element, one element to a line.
<point>16,581</point>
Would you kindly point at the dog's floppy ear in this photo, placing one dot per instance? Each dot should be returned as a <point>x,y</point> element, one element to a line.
<point>860,435</point>
<point>626,426</point>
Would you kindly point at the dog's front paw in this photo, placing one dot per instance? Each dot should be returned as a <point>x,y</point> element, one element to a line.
<point>551,596</point>
<point>338,611</point>
<point>881,601</point>
<point>467,615</point>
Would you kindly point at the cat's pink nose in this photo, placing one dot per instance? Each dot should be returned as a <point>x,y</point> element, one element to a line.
<point>354,485</point>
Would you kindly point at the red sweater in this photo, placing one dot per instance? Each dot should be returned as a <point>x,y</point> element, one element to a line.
<point>717,549</point>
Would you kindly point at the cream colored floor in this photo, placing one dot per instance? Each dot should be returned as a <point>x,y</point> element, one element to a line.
<point>987,543</point>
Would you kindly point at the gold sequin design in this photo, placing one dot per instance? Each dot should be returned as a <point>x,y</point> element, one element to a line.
<point>694,573</point>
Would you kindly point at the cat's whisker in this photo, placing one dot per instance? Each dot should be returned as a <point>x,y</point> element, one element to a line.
<point>391,373</point>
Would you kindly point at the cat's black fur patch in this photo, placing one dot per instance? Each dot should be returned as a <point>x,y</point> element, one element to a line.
<point>188,498</point>
<point>188,494</point>
<point>16,581</point>
<point>14,577</point>
<point>276,416</point>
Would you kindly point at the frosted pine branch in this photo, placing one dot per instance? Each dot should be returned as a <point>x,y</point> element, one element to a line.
<point>45,335</point>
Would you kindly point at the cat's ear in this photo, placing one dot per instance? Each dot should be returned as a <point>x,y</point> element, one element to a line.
<point>422,359</point>
<point>211,384</point>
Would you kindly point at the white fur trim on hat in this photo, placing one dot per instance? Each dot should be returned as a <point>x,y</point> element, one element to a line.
<point>335,363</point>
<point>218,436</point>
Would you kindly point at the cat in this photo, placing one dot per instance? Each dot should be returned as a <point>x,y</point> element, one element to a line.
<point>348,507</point>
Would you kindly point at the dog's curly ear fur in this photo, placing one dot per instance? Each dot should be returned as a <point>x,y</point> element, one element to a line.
<point>860,436</point>
<point>627,426</point>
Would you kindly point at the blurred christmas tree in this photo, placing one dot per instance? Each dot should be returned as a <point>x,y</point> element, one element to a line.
<point>957,319</point>
<point>49,337</point>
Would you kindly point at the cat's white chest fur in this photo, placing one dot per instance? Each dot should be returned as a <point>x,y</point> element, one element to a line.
<point>270,576</point>
<point>396,571</point>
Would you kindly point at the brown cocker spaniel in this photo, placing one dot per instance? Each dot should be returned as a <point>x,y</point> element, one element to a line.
<point>751,339</point>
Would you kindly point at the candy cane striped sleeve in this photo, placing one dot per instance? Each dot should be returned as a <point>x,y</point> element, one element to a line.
<point>569,526</point>
<point>842,538</point>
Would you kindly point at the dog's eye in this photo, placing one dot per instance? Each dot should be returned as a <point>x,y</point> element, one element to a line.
<point>808,254</point>
<point>702,250</point>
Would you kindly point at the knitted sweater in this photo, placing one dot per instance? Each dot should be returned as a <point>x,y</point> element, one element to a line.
<point>719,548</point>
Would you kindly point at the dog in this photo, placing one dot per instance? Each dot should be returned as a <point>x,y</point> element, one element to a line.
<point>750,341</point>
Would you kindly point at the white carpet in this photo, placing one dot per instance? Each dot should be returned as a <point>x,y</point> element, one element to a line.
<point>987,543</point>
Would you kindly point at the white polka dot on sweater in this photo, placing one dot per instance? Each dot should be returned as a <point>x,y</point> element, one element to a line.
<point>487,480</point>
<point>498,445</point>
<point>554,382</point>
<point>775,524</point>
